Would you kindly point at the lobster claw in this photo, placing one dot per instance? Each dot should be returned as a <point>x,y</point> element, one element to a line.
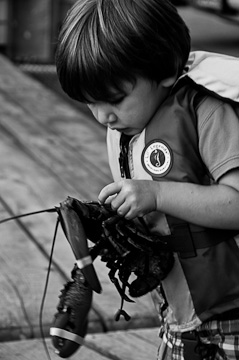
<point>69,326</point>
<point>75,234</point>
<point>65,342</point>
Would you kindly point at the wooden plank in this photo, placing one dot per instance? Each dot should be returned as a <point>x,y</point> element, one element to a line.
<point>124,345</point>
<point>118,345</point>
<point>150,335</point>
<point>34,349</point>
<point>79,170</point>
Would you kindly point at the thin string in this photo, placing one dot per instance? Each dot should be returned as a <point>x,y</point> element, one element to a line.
<point>45,291</point>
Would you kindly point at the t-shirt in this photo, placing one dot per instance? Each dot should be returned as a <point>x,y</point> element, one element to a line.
<point>218,131</point>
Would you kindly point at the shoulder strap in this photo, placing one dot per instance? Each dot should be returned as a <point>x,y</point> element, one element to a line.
<point>216,73</point>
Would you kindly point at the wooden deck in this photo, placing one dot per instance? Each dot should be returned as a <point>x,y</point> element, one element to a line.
<point>140,344</point>
<point>49,150</point>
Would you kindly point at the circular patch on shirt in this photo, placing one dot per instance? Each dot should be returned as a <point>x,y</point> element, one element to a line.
<point>157,158</point>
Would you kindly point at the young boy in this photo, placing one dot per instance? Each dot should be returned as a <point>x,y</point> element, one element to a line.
<point>173,145</point>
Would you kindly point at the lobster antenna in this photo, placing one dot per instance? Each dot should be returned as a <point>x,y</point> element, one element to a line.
<point>45,290</point>
<point>27,214</point>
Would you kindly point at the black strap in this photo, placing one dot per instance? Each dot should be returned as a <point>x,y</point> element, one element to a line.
<point>123,157</point>
<point>186,238</point>
<point>191,342</point>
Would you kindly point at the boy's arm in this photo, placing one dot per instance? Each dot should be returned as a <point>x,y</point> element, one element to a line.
<point>215,206</point>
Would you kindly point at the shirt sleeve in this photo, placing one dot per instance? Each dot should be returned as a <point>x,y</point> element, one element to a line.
<point>218,130</point>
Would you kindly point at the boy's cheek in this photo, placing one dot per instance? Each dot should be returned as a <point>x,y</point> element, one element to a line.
<point>91,108</point>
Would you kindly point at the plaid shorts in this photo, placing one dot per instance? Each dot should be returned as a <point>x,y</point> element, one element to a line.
<point>221,336</point>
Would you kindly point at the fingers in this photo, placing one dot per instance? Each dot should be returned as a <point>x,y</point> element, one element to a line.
<point>118,195</point>
<point>122,209</point>
<point>114,194</point>
<point>108,191</point>
<point>130,198</point>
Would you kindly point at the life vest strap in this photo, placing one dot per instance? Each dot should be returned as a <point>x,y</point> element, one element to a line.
<point>186,238</point>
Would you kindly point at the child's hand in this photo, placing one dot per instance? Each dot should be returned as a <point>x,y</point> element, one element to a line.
<point>133,198</point>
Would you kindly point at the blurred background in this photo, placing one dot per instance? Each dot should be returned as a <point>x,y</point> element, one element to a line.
<point>29,30</point>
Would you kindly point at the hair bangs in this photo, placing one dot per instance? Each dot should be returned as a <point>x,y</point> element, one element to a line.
<point>90,67</point>
<point>96,85</point>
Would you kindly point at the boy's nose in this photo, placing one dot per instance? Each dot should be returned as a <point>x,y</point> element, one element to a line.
<point>112,118</point>
<point>105,117</point>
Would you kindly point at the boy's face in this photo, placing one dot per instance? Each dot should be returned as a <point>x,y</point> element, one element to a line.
<point>131,110</point>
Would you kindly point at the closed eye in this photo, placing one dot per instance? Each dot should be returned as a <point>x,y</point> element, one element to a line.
<point>117,101</point>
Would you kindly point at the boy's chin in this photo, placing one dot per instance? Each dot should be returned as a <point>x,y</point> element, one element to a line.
<point>130,132</point>
<point>127,131</point>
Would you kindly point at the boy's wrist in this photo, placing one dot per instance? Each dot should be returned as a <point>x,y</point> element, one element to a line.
<point>157,195</point>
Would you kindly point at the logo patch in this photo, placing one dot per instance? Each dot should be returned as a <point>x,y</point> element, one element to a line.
<point>157,158</point>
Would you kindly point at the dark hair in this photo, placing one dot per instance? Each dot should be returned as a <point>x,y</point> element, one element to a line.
<point>103,43</point>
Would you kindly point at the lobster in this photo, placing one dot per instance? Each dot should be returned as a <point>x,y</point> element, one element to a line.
<point>124,245</point>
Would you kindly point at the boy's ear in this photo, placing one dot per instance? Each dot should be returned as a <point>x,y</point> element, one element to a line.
<point>169,81</point>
